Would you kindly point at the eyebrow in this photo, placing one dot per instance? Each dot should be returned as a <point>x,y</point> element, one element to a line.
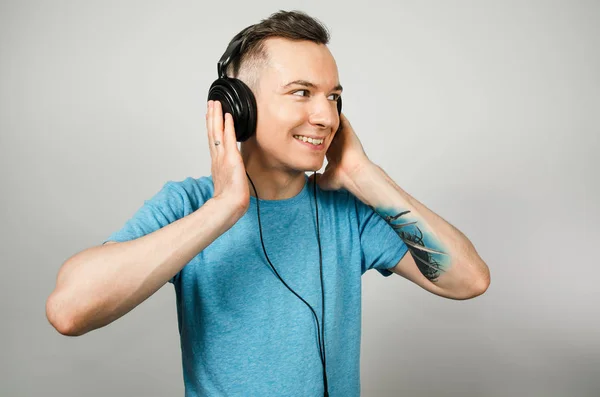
<point>311,85</point>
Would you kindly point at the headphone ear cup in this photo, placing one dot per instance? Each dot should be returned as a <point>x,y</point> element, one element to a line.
<point>237,99</point>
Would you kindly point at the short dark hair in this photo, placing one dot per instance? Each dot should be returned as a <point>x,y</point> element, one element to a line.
<point>292,25</point>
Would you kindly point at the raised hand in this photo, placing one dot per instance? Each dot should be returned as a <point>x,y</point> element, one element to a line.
<point>345,158</point>
<point>227,168</point>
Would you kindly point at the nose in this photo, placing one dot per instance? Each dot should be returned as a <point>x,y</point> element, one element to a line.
<point>323,112</point>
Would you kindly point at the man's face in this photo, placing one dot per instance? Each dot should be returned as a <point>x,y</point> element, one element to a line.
<point>296,96</point>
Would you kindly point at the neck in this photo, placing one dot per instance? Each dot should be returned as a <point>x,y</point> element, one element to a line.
<point>271,182</point>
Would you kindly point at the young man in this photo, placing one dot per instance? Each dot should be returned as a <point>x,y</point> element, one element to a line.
<point>234,258</point>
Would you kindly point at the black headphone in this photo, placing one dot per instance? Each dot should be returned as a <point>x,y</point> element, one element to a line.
<point>237,99</point>
<point>235,96</point>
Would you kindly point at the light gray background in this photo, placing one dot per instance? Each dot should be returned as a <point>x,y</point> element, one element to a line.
<point>485,111</point>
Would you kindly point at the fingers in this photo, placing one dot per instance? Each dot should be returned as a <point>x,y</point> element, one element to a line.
<point>209,128</point>
<point>214,126</point>
<point>219,128</point>
<point>217,121</point>
<point>229,132</point>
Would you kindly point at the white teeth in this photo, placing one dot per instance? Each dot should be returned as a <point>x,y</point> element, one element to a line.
<point>310,140</point>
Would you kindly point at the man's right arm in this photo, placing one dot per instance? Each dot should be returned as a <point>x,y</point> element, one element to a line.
<point>100,284</point>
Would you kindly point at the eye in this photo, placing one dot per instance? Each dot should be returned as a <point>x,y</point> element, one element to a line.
<point>296,92</point>
<point>334,97</point>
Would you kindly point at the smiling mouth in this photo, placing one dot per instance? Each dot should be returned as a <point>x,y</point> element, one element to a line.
<point>315,142</point>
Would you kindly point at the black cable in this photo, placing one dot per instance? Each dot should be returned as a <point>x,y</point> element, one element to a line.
<point>322,289</point>
<point>322,335</point>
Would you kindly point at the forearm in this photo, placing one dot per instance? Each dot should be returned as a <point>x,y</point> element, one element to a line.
<point>435,244</point>
<point>97,286</point>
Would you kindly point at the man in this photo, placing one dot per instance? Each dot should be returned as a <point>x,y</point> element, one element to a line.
<point>230,249</point>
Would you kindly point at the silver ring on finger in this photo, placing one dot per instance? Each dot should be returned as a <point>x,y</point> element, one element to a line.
<point>217,143</point>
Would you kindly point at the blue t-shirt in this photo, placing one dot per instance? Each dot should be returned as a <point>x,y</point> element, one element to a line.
<point>242,332</point>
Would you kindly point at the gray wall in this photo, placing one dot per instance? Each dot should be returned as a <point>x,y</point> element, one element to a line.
<point>485,111</point>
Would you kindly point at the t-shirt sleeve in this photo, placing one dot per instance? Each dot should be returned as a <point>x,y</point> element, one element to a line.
<point>382,248</point>
<point>163,208</point>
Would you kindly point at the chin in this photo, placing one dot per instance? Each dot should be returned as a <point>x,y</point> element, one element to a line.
<point>312,166</point>
<point>300,160</point>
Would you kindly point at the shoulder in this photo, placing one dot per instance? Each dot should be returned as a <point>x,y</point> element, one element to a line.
<point>340,200</point>
<point>339,197</point>
<point>350,204</point>
<point>192,191</point>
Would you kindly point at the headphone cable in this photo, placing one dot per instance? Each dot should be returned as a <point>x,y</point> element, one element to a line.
<point>322,289</point>
<point>320,337</point>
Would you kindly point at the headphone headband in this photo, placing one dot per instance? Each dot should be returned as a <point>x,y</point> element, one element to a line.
<point>232,51</point>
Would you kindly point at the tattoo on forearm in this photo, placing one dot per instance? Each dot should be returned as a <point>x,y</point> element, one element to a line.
<point>426,249</point>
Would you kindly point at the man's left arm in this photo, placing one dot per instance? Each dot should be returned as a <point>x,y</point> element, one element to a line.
<point>442,260</point>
